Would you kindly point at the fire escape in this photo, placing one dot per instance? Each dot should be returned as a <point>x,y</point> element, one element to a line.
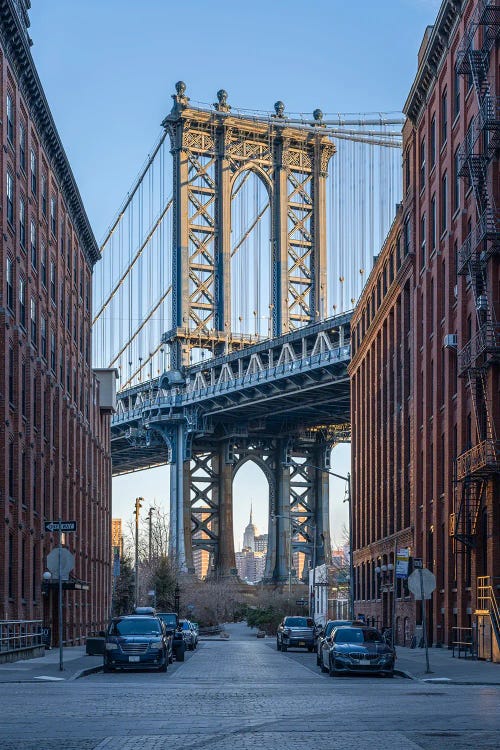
<point>477,465</point>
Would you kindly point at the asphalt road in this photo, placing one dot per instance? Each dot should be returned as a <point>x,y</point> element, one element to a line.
<point>243,694</point>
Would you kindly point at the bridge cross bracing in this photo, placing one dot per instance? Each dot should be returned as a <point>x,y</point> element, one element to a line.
<point>215,304</point>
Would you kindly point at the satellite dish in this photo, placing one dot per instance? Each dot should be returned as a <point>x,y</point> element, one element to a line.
<point>67,563</point>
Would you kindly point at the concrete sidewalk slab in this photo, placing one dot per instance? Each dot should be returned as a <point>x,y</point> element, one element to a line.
<point>46,668</point>
<point>444,668</point>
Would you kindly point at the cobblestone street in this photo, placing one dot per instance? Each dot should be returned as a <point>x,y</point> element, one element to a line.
<point>244,694</point>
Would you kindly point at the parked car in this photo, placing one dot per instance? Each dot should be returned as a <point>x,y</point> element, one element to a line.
<point>190,634</point>
<point>359,649</point>
<point>136,641</point>
<point>324,635</point>
<point>298,632</point>
<point>174,629</point>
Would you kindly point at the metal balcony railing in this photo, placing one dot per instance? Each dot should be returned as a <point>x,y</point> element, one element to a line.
<point>482,459</point>
<point>485,345</point>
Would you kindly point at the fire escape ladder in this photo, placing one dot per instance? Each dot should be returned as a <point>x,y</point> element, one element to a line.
<point>475,466</point>
<point>487,604</point>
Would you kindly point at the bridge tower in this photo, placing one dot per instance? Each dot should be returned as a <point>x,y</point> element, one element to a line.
<point>211,150</point>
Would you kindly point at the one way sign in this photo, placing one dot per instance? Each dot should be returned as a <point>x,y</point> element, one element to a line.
<point>63,526</point>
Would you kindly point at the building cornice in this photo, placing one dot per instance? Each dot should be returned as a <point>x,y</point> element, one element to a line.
<point>16,46</point>
<point>435,51</point>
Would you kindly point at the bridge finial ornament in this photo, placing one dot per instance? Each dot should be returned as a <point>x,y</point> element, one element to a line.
<point>318,116</point>
<point>221,105</point>
<point>180,100</point>
<point>279,109</point>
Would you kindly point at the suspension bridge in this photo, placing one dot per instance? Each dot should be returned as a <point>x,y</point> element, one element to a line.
<point>223,299</point>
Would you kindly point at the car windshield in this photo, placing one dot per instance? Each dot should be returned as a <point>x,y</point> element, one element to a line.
<point>169,619</point>
<point>298,622</point>
<point>135,626</point>
<point>356,635</point>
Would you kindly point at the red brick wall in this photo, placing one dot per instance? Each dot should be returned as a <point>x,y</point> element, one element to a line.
<point>60,443</point>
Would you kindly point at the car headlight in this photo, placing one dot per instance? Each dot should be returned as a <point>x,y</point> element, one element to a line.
<point>156,644</point>
<point>111,646</point>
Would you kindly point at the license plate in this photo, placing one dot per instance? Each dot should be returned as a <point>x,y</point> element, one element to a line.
<point>134,658</point>
<point>364,661</point>
<point>302,643</point>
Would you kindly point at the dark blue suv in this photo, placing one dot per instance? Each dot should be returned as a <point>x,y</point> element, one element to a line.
<point>135,642</point>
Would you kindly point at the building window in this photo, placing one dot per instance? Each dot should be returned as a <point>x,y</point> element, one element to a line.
<point>75,269</point>
<point>11,470</point>
<point>33,172</point>
<point>61,367</point>
<point>406,236</point>
<point>10,574</point>
<point>53,216</point>
<point>456,99</point>
<point>53,281</point>
<point>444,118</point>
<point>10,199</point>
<point>34,259</point>
<point>433,141</point>
<point>22,302</point>
<point>53,351</point>
<point>22,223</point>
<point>61,299</point>
<point>22,147</point>
<point>10,284</point>
<point>44,195</point>
<point>423,259</point>
<point>43,265</point>
<point>444,202</point>
<point>433,222</point>
<point>33,322</point>
<point>43,336</point>
<point>62,239</point>
<point>456,184</point>
<point>407,169</point>
<point>23,391</point>
<point>11,376</point>
<point>87,295</point>
<point>10,120</point>
<point>422,163</point>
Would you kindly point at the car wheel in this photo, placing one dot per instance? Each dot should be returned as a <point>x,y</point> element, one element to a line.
<point>106,669</point>
<point>278,647</point>
<point>179,653</point>
<point>331,668</point>
<point>318,660</point>
<point>171,657</point>
<point>310,649</point>
<point>283,647</point>
<point>322,665</point>
<point>164,666</point>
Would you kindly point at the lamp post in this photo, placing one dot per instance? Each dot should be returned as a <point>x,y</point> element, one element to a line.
<point>177,598</point>
<point>138,506</point>
<point>385,575</point>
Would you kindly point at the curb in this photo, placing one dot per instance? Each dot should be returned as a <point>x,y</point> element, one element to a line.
<point>407,675</point>
<point>85,672</point>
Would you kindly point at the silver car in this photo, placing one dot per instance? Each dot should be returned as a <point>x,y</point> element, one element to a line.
<point>189,633</point>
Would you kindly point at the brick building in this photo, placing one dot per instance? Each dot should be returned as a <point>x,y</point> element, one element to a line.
<point>54,410</point>
<point>446,447</point>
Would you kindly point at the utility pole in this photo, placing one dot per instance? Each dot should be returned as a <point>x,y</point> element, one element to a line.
<point>150,514</point>
<point>138,504</point>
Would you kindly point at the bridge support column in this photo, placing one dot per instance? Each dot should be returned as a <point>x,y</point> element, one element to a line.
<point>322,484</point>
<point>179,504</point>
<point>226,562</point>
<point>280,537</point>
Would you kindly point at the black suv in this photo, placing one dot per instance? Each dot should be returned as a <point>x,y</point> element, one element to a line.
<point>174,629</point>
<point>136,641</point>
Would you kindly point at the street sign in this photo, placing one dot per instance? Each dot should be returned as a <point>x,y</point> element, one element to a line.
<point>300,602</point>
<point>67,563</point>
<point>63,526</point>
<point>417,563</point>
<point>422,583</point>
<point>402,562</point>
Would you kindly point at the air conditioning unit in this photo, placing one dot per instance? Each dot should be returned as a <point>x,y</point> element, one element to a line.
<point>482,302</point>
<point>450,341</point>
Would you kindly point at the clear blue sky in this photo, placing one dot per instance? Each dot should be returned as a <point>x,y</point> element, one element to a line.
<point>108,68</point>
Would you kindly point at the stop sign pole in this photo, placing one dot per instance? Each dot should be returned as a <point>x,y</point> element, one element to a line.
<point>424,621</point>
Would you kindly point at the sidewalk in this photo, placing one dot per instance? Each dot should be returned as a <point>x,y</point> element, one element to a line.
<point>46,668</point>
<point>445,668</point>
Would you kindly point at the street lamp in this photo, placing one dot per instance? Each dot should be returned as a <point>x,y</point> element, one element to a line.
<point>177,598</point>
<point>386,585</point>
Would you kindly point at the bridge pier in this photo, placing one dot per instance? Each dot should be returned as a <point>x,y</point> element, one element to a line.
<point>226,562</point>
